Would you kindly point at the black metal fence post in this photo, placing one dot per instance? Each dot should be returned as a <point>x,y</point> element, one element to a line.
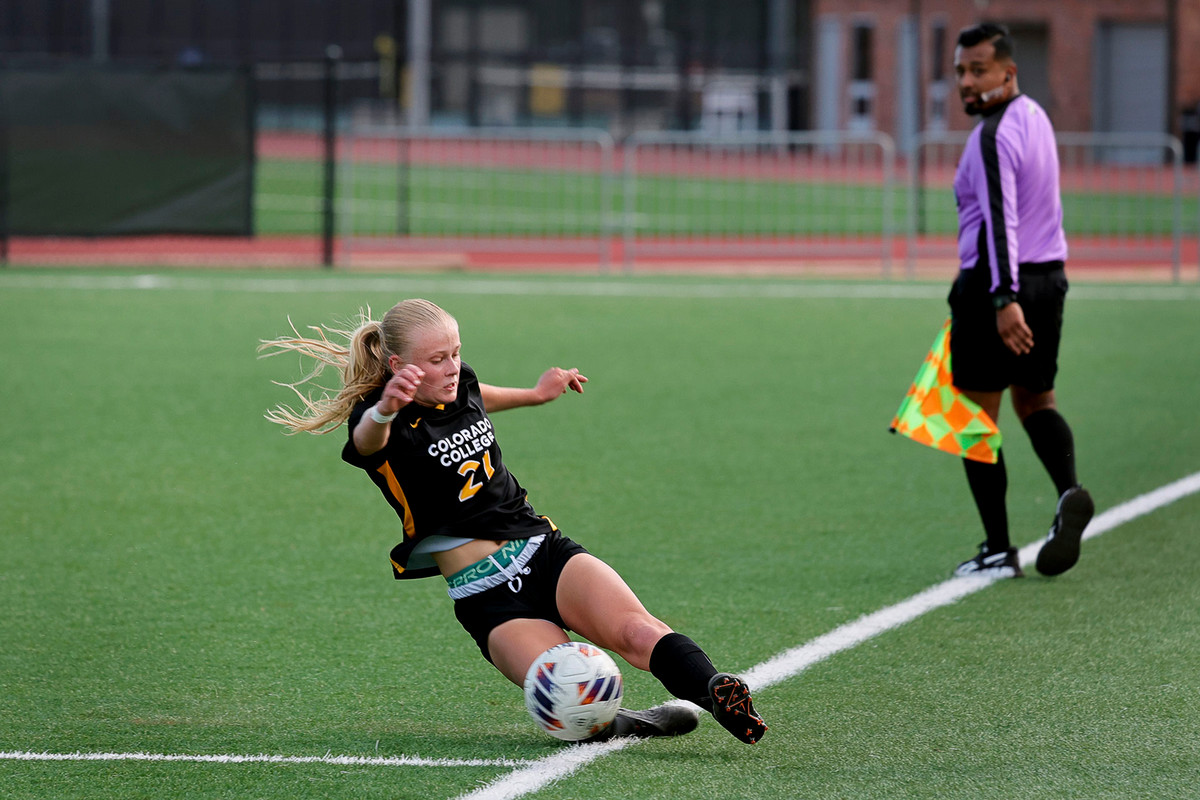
<point>333,55</point>
<point>4,122</point>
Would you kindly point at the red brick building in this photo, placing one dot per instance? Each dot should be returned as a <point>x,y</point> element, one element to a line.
<point>1096,65</point>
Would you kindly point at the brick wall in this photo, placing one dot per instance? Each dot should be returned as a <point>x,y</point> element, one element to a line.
<point>1187,53</point>
<point>1070,24</point>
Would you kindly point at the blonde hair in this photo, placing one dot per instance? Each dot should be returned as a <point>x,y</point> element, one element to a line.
<point>362,360</point>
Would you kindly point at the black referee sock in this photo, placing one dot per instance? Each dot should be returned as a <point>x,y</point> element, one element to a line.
<point>989,485</point>
<point>1054,444</point>
<point>683,668</point>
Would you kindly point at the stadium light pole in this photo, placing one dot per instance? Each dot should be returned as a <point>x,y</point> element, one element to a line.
<point>3,183</point>
<point>333,55</point>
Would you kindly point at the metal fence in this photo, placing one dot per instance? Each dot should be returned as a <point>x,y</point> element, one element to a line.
<point>550,193</point>
<point>382,195</point>
<point>1123,198</point>
<point>759,196</point>
<point>829,198</point>
<point>546,193</point>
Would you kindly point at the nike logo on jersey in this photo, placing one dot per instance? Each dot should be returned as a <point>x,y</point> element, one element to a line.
<point>415,424</point>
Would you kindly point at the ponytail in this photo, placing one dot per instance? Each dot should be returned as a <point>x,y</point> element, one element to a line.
<point>362,362</point>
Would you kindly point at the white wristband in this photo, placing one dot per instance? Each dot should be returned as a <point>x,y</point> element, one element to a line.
<point>382,419</point>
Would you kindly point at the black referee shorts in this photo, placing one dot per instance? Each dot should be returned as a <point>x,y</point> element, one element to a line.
<point>530,596</point>
<point>978,357</point>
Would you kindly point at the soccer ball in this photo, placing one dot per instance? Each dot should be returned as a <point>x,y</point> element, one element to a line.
<point>573,691</point>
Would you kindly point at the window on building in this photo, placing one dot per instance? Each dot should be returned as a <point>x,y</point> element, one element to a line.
<point>862,78</point>
<point>863,53</point>
<point>937,54</point>
<point>939,77</point>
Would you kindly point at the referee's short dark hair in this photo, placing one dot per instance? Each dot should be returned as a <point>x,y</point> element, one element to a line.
<point>994,32</point>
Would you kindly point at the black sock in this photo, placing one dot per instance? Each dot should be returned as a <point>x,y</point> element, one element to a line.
<point>683,668</point>
<point>1054,444</point>
<point>989,484</point>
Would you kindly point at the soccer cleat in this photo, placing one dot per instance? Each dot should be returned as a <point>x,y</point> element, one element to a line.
<point>1002,564</point>
<point>733,708</point>
<point>1061,550</point>
<point>668,720</point>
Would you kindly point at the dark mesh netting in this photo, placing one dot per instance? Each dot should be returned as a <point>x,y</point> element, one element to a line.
<point>94,151</point>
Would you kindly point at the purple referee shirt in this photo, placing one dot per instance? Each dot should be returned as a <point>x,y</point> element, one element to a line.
<point>1006,188</point>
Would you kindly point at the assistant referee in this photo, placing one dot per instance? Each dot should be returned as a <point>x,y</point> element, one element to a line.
<point>1007,301</point>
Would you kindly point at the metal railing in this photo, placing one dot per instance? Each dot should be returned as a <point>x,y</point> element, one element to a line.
<point>748,196</point>
<point>546,192</point>
<point>1122,197</point>
<point>550,197</point>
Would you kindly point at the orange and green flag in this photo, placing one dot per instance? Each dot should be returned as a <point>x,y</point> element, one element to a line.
<point>935,413</point>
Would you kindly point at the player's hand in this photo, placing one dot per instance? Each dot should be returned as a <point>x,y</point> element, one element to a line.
<point>556,381</point>
<point>400,390</point>
<point>1016,335</point>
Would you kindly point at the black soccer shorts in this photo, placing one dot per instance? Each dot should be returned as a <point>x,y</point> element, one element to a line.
<point>979,358</point>
<point>530,596</point>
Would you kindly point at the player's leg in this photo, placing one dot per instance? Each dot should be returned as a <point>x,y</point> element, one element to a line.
<point>514,623</point>
<point>514,645</point>
<point>597,603</point>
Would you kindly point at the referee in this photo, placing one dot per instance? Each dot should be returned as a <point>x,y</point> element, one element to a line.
<point>1007,302</point>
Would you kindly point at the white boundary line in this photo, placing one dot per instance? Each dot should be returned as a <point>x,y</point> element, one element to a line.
<point>589,287</point>
<point>357,761</point>
<point>792,662</point>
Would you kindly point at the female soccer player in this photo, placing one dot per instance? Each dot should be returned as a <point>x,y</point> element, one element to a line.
<point>418,426</point>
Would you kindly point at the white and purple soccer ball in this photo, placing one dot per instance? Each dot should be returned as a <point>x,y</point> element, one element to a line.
<point>573,691</point>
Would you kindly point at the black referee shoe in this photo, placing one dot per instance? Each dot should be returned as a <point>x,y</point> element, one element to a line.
<point>1061,550</point>
<point>670,720</point>
<point>1000,564</point>
<point>733,708</point>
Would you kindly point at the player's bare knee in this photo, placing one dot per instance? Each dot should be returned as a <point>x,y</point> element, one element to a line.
<point>637,635</point>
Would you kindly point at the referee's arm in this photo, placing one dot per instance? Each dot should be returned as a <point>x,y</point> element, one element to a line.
<point>1000,224</point>
<point>999,197</point>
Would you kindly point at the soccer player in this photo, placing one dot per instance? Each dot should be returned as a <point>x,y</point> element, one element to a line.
<point>418,426</point>
<point>1007,302</point>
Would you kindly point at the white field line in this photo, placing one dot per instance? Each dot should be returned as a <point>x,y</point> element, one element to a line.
<point>616,287</point>
<point>790,663</point>
<point>355,761</point>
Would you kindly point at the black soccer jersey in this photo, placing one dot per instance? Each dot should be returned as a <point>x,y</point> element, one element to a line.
<point>441,471</point>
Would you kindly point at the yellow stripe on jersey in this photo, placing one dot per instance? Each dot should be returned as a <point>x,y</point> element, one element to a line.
<point>410,530</point>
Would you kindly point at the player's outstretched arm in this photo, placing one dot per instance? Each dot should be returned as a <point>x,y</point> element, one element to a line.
<point>553,383</point>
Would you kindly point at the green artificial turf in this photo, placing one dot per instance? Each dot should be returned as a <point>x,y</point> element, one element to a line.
<point>178,577</point>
